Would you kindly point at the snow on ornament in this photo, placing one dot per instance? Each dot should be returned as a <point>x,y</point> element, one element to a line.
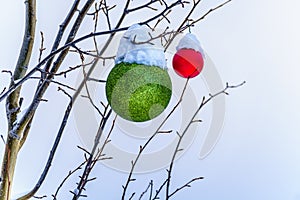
<point>139,88</point>
<point>188,61</point>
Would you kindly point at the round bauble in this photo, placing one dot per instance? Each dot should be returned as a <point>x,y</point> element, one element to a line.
<point>188,63</point>
<point>138,92</point>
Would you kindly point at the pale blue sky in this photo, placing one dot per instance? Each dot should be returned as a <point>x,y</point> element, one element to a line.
<point>258,155</point>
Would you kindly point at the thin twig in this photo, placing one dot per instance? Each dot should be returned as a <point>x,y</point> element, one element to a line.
<point>96,16</point>
<point>186,185</point>
<point>150,185</point>
<point>89,96</point>
<point>97,80</point>
<point>64,73</point>
<point>132,195</point>
<point>106,10</point>
<point>42,49</point>
<point>208,12</point>
<point>146,5</point>
<point>8,72</point>
<point>41,197</point>
<point>92,55</point>
<point>3,140</point>
<point>57,83</point>
<point>3,91</point>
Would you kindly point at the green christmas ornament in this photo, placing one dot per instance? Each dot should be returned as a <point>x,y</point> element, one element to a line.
<point>139,88</point>
<point>138,92</point>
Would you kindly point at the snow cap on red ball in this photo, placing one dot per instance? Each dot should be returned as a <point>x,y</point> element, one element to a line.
<point>134,48</point>
<point>190,41</point>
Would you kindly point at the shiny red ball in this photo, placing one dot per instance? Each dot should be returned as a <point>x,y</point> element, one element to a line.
<point>188,63</point>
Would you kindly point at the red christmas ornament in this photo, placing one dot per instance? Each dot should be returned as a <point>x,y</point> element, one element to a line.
<point>188,63</point>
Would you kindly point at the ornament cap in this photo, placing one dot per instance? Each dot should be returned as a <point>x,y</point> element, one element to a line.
<point>190,41</point>
<point>134,48</point>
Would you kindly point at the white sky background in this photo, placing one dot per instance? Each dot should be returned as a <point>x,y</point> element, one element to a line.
<point>258,155</point>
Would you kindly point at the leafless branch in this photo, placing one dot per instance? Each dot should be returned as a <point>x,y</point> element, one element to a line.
<point>57,83</point>
<point>96,80</point>
<point>132,195</point>
<point>13,100</point>
<point>165,132</point>
<point>78,50</point>
<point>95,18</point>
<point>181,136</point>
<point>53,150</point>
<point>106,10</point>
<point>64,73</point>
<point>186,185</point>
<point>89,96</point>
<point>8,72</point>
<point>146,5</point>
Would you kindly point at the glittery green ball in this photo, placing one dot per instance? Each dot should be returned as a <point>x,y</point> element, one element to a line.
<point>137,92</point>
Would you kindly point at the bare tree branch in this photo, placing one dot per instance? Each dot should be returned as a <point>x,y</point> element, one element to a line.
<point>181,136</point>
<point>186,185</point>
<point>146,5</point>
<point>13,100</point>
